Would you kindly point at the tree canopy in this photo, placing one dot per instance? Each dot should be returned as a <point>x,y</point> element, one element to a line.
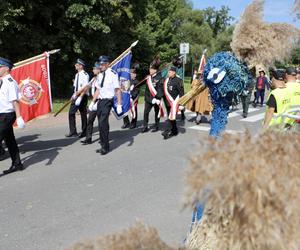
<point>89,28</point>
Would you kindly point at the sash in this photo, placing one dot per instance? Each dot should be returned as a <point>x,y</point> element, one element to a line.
<point>174,105</point>
<point>153,93</point>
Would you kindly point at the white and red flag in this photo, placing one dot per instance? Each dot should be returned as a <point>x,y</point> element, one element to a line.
<point>202,62</point>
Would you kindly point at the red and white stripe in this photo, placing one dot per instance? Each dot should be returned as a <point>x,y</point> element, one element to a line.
<point>154,93</point>
<point>174,105</point>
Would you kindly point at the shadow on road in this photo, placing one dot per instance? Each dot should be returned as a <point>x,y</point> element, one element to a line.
<point>42,150</point>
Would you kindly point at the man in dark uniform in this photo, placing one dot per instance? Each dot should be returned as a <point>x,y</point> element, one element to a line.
<point>172,92</point>
<point>9,113</point>
<point>92,107</point>
<point>153,95</point>
<point>107,85</point>
<point>79,102</point>
<point>134,95</point>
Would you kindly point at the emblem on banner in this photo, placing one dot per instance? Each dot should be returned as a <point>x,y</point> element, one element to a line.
<point>31,91</point>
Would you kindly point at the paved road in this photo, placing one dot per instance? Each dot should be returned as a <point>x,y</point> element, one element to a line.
<point>68,192</point>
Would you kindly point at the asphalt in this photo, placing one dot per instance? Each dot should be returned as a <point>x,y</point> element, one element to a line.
<point>69,192</point>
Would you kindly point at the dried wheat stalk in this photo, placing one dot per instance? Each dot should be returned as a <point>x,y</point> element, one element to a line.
<point>252,193</point>
<point>138,237</point>
<point>258,42</point>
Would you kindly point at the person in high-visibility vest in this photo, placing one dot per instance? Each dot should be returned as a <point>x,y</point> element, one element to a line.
<point>278,100</point>
<point>281,99</point>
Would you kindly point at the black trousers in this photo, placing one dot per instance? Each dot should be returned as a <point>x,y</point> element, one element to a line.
<point>7,134</point>
<point>172,123</point>
<point>2,151</point>
<point>90,124</point>
<point>147,109</point>
<point>133,120</point>
<point>103,111</point>
<point>83,114</point>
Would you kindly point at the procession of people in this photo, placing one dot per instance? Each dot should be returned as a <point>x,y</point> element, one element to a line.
<point>161,94</point>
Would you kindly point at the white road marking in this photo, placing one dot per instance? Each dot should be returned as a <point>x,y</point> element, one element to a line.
<point>206,129</point>
<point>254,118</point>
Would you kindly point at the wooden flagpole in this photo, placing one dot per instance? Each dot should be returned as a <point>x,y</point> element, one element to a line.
<point>84,89</point>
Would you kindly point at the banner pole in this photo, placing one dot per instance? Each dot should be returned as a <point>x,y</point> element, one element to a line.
<point>49,80</point>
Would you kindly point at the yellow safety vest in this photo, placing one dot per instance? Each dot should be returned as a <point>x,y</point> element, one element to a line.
<point>283,101</point>
<point>294,87</point>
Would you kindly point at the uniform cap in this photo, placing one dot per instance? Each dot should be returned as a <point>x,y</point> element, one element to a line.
<point>97,65</point>
<point>173,68</point>
<point>104,59</point>
<point>6,62</point>
<point>81,62</point>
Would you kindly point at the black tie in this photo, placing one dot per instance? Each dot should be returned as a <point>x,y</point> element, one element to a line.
<point>1,81</point>
<point>76,88</point>
<point>102,82</point>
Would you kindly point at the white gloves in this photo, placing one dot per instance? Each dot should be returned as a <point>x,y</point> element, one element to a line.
<point>119,109</point>
<point>78,101</point>
<point>155,101</point>
<point>181,107</point>
<point>91,106</point>
<point>131,87</point>
<point>95,106</point>
<point>20,122</point>
<point>74,96</point>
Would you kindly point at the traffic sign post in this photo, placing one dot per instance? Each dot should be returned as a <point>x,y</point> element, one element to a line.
<point>184,50</point>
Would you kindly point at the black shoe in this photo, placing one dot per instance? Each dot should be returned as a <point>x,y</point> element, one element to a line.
<point>169,135</point>
<point>132,125</point>
<point>86,141</point>
<point>102,151</point>
<point>82,135</point>
<point>165,132</point>
<point>155,129</point>
<point>127,125</point>
<point>245,115</point>
<point>145,129</point>
<point>14,168</point>
<point>71,135</point>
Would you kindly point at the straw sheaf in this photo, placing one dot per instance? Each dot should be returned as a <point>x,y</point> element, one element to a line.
<point>257,42</point>
<point>138,237</point>
<point>250,187</point>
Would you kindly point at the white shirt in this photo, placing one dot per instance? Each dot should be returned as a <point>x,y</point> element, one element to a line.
<point>82,78</point>
<point>9,92</point>
<point>111,82</point>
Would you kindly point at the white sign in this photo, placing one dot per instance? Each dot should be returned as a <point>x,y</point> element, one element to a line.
<point>184,48</point>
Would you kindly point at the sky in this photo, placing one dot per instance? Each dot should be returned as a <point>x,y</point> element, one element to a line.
<point>275,10</point>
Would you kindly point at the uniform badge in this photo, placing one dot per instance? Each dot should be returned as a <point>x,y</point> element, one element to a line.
<point>31,91</point>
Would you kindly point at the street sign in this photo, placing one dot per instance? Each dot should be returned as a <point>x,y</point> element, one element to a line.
<point>184,48</point>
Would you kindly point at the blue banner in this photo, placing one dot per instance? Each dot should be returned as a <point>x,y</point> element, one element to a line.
<point>122,67</point>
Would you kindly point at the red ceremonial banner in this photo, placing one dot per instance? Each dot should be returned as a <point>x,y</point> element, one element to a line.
<point>33,78</point>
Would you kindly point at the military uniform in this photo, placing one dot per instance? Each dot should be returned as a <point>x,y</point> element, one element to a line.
<point>153,92</point>
<point>81,80</point>
<point>107,83</point>
<point>9,93</point>
<point>172,92</point>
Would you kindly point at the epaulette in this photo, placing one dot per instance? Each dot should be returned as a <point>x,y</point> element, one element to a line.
<point>115,72</point>
<point>85,73</point>
<point>10,79</point>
